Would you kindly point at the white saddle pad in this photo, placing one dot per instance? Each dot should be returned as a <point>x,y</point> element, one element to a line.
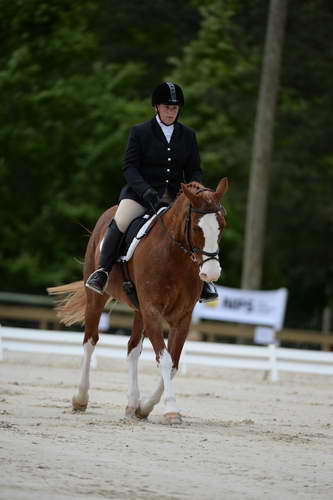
<point>138,237</point>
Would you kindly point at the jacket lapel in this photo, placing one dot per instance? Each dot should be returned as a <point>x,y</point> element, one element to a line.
<point>157,131</point>
<point>177,130</point>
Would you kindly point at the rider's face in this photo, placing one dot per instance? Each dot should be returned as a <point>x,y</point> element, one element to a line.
<point>168,113</point>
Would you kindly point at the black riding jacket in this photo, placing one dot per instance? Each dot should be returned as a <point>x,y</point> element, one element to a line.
<point>150,161</point>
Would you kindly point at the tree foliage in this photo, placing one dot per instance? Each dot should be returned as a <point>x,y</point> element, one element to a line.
<point>146,32</point>
<point>220,70</point>
<point>65,118</point>
<point>220,74</point>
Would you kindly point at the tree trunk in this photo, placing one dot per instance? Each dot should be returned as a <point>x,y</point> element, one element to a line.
<point>262,148</point>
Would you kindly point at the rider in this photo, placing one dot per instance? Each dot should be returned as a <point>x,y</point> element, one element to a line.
<point>161,153</point>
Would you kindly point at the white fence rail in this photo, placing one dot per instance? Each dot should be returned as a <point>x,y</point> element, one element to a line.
<point>269,358</point>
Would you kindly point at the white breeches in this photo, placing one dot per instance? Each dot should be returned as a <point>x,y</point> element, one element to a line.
<point>127,211</point>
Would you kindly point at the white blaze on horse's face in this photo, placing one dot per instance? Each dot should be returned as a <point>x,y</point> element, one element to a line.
<point>210,270</point>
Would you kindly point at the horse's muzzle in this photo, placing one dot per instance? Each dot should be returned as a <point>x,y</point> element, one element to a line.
<point>210,271</point>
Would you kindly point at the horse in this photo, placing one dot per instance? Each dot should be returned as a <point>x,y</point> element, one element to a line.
<point>167,269</point>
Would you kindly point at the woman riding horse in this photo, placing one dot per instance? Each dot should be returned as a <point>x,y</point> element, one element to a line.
<point>161,153</point>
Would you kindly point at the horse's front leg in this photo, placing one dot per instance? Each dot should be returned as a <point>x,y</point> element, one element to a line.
<point>171,411</point>
<point>133,354</point>
<point>147,404</point>
<point>94,308</point>
<point>153,330</point>
<point>176,340</point>
<point>177,337</point>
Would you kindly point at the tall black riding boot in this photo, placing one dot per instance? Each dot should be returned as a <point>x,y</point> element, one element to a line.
<point>109,254</point>
<point>208,293</point>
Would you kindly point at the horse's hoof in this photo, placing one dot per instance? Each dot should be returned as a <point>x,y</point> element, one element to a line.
<point>130,412</point>
<point>140,413</point>
<point>79,405</point>
<point>172,418</point>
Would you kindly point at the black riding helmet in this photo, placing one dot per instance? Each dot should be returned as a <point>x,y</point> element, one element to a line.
<point>168,93</point>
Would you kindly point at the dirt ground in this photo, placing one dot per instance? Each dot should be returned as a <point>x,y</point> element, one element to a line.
<point>242,437</point>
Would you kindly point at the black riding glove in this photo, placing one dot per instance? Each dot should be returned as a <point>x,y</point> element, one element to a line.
<point>151,198</point>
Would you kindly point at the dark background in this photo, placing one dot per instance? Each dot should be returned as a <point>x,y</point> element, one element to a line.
<point>74,76</point>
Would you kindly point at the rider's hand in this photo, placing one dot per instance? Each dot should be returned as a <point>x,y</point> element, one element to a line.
<point>151,198</point>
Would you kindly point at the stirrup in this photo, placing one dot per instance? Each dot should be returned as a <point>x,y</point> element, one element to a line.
<point>97,281</point>
<point>209,293</point>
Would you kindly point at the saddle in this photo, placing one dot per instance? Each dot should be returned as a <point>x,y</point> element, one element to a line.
<point>138,229</point>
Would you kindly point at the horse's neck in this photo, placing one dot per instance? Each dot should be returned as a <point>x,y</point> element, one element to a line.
<point>175,216</point>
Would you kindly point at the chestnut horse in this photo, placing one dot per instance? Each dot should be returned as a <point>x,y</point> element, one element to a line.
<point>168,269</point>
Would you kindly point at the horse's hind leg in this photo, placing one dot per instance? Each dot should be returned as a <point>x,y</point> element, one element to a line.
<point>94,308</point>
<point>133,354</point>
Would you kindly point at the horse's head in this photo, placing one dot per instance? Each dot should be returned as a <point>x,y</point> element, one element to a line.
<point>204,226</point>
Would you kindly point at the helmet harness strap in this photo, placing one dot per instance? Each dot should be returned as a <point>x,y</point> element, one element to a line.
<point>166,124</point>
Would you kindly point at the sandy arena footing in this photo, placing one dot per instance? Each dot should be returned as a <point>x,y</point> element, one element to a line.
<point>242,437</point>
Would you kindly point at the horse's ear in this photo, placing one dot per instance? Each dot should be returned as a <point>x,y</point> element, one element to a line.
<point>221,189</point>
<point>188,193</point>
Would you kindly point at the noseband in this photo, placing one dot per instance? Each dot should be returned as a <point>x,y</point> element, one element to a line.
<point>191,250</point>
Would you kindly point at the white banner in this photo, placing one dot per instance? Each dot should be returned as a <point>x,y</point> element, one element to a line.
<point>255,307</point>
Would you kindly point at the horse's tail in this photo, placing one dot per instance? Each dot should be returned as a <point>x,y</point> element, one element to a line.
<point>71,302</point>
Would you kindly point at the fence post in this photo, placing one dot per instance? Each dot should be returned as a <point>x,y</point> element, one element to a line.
<point>273,362</point>
<point>194,332</point>
<point>2,357</point>
<point>183,365</point>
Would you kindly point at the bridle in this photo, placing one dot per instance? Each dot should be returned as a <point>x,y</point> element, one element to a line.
<point>190,249</point>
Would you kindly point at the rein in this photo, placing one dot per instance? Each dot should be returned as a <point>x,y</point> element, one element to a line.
<point>194,251</point>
